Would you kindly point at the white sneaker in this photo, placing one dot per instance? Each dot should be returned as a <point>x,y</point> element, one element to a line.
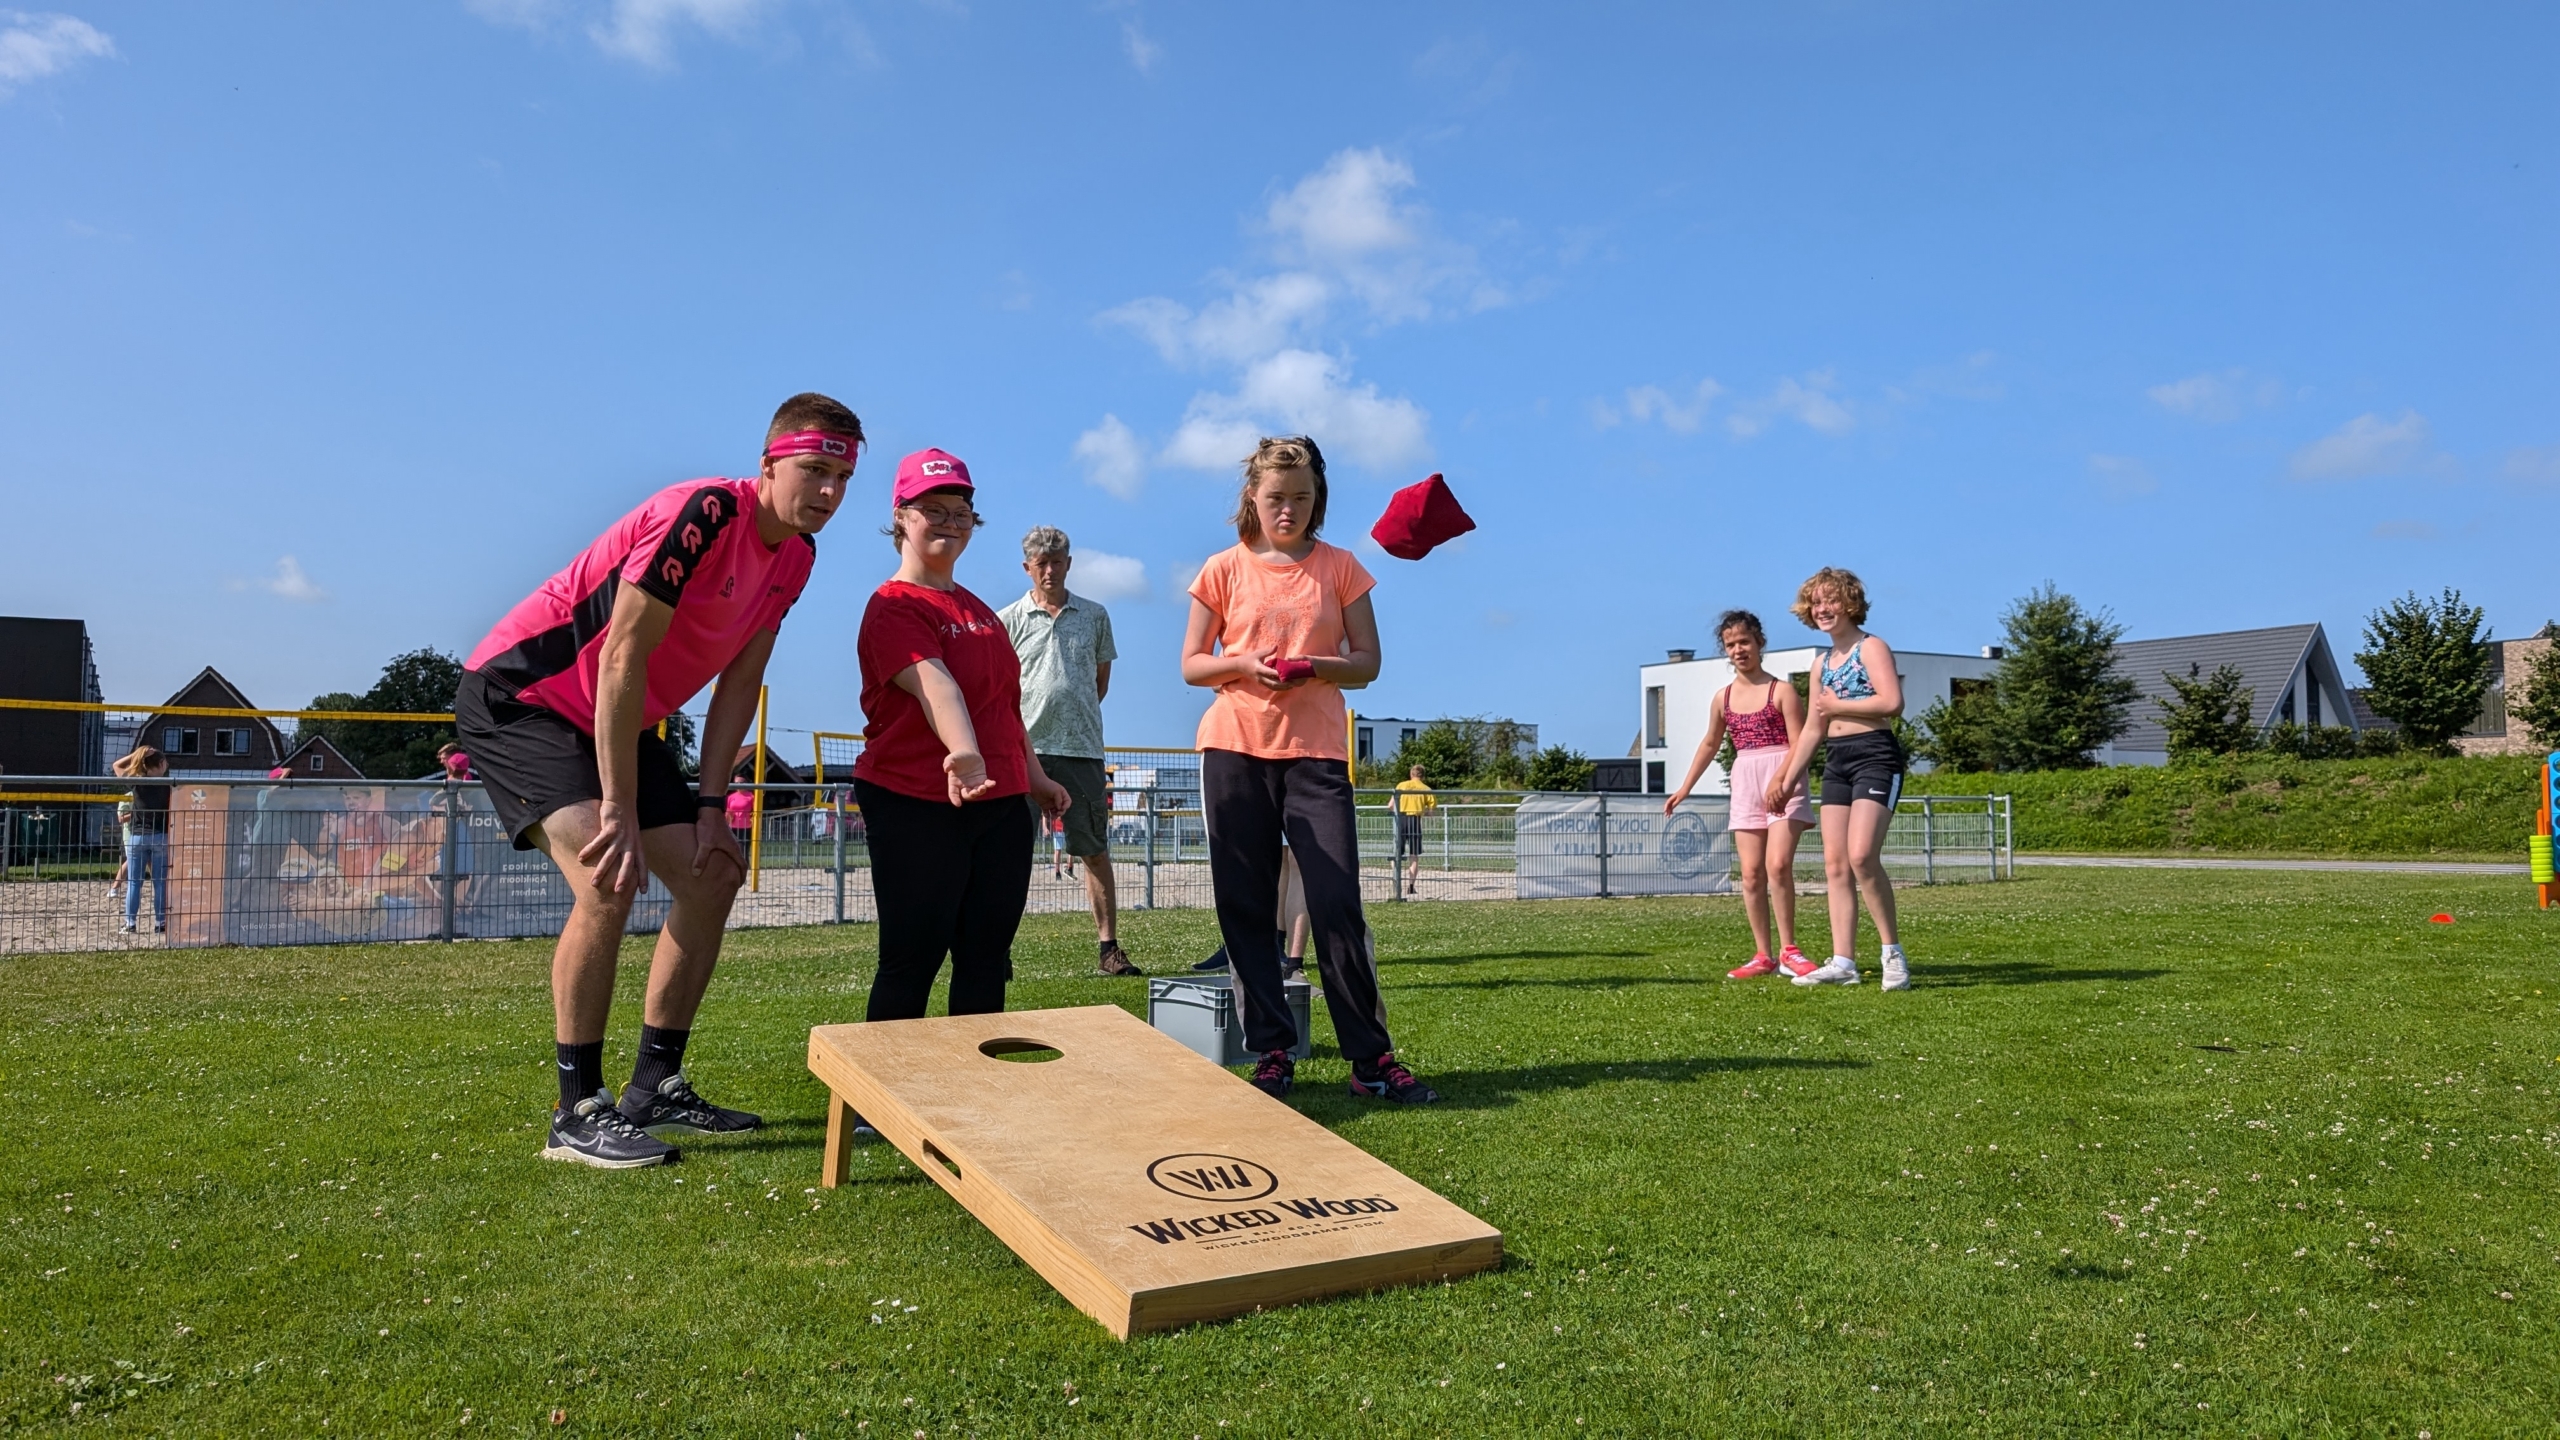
<point>1840,970</point>
<point>1897,970</point>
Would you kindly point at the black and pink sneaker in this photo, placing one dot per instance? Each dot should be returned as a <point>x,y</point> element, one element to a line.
<point>1275,1074</point>
<point>1387,1079</point>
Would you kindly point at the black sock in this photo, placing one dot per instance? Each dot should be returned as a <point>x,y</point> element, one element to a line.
<point>1107,947</point>
<point>661,1055</point>
<point>581,1071</point>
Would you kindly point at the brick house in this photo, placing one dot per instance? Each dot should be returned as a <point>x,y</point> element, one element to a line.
<point>205,747</point>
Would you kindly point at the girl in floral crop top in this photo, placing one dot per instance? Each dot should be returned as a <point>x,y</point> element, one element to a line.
<point>1761,713</point>
<point>1853,712</point>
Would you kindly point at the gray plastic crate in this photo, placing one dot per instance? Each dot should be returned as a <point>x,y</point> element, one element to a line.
<point>1200,1011</point>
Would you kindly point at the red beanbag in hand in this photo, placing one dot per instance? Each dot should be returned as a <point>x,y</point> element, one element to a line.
<point>1420,517</point>
<point>1294,667</point>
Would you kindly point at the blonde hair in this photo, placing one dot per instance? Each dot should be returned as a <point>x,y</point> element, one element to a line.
<point>1284,452</point>
<point>142,758</point>
<point>1841,585</point>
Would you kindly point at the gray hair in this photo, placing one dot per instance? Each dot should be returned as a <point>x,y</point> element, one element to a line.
<point>1044,540</point>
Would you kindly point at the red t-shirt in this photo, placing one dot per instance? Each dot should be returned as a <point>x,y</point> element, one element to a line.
<point>905,624</point>
<point>693,546</point>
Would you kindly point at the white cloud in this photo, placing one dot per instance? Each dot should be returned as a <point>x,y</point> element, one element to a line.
<point>1106,576</point>
<point>33,46</point>
<point>2534,465</point>
<point>289,582</point>
<point>1301,392</point>
<point>1113,458</point>
<point>1346,242</point>
<point>1143,52</point>
<point>2216,396</point>
<point>1807,402</point>
<point>2121,477</point>
<point>1652,402</point>
<point>641,31</point>
<point>2366,445</point>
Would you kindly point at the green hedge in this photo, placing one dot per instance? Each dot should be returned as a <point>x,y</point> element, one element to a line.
<point>2375,807</point>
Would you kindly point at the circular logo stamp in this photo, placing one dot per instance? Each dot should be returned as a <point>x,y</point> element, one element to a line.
<point>1685,842</point>
<point>1212,1177</point>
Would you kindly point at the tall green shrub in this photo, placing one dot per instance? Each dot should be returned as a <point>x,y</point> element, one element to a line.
<point>2061,697</point>
<point>2210,715</point>
<point>2426,665</point>
<point>1961,732</point>
<point>1559,768</point>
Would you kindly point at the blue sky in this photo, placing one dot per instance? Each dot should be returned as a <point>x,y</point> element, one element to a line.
<point>331,330</point>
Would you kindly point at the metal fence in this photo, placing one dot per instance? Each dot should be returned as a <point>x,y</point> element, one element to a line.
<point>301,862</point>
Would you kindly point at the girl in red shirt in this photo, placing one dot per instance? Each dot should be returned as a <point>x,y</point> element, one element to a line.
<point>944,762</point>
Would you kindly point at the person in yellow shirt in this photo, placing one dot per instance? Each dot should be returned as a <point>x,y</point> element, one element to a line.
<point>1413,801</point>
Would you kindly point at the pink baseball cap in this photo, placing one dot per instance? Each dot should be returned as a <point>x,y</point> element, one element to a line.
<point>930,470</point>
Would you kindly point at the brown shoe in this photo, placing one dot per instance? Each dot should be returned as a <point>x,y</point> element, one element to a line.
<point>1115,961</point>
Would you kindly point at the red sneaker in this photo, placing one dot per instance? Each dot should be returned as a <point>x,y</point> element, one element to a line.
<point>1760,965</point>
<point>1796,962</point>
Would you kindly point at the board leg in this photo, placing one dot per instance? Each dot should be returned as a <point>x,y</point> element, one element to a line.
<point>839,1141</point>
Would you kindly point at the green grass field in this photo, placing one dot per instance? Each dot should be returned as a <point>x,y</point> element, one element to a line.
<point>2141,1152</point>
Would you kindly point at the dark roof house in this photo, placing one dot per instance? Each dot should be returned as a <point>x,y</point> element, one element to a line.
<point>207,747</point>
<point>316,759</point>
<point>2289,669</point>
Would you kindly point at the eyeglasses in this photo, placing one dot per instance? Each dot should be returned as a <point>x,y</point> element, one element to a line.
<point>950,519</point>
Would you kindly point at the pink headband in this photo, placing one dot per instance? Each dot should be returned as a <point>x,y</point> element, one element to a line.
<point>813,442</point>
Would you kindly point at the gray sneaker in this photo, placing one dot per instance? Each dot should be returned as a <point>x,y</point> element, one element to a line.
<point>1897,971</point>
<point>596,1134</point>
<point>676,1107</point>
<point>1838,970</point>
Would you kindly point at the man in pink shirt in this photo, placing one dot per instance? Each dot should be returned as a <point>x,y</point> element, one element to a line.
<point>558,708</point>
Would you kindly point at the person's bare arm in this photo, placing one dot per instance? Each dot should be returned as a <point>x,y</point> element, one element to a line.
<point>1202,665</point>
<point>1102,681</point>
<point>724,729</point>
<point>637,627</point>
<point>946,710</point>
<point>1360,632</point>
<point>1706,753</point>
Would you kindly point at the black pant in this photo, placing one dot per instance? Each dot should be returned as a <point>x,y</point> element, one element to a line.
<point>1409,838</point>
<point>1248,803</point>
<point>948,880</point>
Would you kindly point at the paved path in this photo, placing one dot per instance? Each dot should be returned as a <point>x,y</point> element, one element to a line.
<point>2223,862</point>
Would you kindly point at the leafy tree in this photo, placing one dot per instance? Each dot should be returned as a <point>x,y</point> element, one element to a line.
<point>2426,664</point>
<point>419,682</point>
<point>1961,732</point>
<point>1559,768</point>
<point>2536,704</point>
<point>683,738</point>
<point>1449,752</point>
<point>2061,697</point>
<point>2210,715</point>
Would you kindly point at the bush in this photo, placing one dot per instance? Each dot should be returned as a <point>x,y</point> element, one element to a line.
<point>2209,717</point>
<point>1962,731</point>
<point>2426,667</point>
<point>1559,768</point>
<point>2061,697</point>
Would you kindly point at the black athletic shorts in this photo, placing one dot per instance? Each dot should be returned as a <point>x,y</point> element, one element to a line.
<point>1864,766</point>
<point>532,761</point>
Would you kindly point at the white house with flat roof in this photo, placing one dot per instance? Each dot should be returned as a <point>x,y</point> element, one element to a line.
<point>1673,696</point>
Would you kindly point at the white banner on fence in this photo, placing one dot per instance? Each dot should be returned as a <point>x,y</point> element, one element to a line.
<point>1688,852</point>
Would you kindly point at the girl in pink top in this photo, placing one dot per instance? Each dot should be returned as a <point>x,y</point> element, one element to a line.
<point>1762,713</point>
<point>1279,624</point>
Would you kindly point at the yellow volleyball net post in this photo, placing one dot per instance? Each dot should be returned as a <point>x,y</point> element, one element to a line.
<point>755,836</point>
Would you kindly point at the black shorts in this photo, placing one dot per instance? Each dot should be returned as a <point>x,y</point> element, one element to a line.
<point>532,761</point>
<point>1864,766</point>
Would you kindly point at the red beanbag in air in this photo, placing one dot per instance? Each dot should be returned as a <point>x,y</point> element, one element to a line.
<point>1420,517</point>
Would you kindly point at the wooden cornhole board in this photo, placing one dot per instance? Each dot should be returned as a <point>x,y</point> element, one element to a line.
<point>1152,1188</point>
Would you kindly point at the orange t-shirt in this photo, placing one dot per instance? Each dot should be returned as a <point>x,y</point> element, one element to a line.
<point>1290,608</point>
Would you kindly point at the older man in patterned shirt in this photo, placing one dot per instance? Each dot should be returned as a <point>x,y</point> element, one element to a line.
<point>1064,641</point>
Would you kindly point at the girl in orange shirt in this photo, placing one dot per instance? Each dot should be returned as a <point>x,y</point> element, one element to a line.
<point>1279,624</point>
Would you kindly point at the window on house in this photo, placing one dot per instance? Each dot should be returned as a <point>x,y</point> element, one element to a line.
<point>2285,711</point>
<point>1655,715</point>
<point>1368,742</point>
<point>1655,781</point>
<point>178,740</point>
<point>230,742</point>
<point>317,763</point>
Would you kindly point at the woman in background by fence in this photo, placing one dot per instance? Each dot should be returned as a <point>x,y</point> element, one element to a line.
<point>146,842</point>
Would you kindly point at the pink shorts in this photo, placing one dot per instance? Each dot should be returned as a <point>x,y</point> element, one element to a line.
<point>1752,772</point>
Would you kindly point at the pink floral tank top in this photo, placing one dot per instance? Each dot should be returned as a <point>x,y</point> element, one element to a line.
<point>1761,729</point>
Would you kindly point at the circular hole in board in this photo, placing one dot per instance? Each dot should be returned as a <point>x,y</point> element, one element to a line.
<point>1025,1052</point>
